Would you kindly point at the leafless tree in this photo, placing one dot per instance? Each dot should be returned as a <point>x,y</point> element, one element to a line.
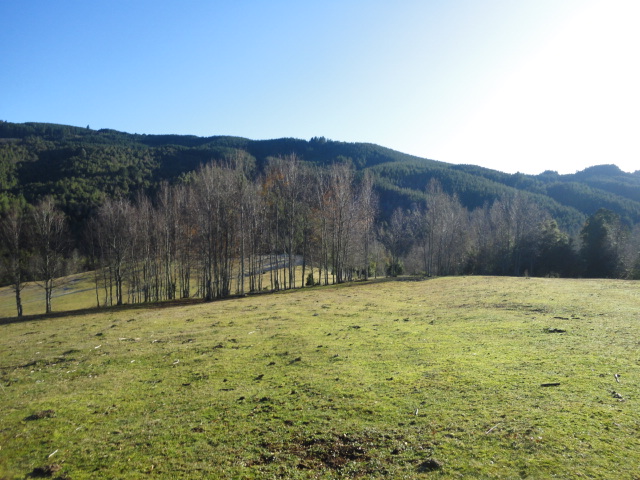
<point>397,237</point>
<point>12,236</point>
<point>215,215</point>
<point>114,236</point>
<point>50,242</point>
<point>186,237</point>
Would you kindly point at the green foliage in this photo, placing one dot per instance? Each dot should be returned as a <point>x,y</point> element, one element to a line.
<point>80,167</point>
<point>395,268</point>
<point>600,236</point>
<point>310,282</point>
<point>556,256</point>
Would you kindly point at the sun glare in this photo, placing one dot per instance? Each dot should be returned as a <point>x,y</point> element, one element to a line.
<point>572,104</point>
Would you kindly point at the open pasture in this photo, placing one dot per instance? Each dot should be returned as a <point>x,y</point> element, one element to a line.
<point>474,377</point>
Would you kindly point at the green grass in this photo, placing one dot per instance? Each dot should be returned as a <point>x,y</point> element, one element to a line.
<point>74,292</point>
<point>428,379</point>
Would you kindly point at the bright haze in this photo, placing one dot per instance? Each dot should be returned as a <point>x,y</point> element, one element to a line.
<point>510,85</point>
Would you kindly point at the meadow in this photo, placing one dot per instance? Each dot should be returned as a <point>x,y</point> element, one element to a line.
<point>460,377</point>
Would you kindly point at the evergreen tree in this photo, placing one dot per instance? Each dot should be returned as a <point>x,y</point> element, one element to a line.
<point>601,237</point>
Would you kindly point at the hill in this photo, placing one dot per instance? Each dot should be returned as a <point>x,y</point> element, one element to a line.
<point>81,167</point>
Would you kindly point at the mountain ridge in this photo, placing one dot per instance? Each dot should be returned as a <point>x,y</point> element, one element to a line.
<point>81,166</point>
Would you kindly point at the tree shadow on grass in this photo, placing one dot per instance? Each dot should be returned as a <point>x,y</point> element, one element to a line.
<point>188,301</point>
<point>97,310</point>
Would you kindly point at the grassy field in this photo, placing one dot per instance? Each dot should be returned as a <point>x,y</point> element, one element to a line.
<point>75,292</point>
<point>468,377</point>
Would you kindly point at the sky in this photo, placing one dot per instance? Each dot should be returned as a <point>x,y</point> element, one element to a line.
<point>512,85</point>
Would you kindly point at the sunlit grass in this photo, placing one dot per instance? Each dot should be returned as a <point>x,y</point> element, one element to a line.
<point>78,291</point>
<point>396,379</point>
<point>71,293</point>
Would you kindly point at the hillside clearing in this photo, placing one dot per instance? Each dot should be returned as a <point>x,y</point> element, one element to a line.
<point>480,377</point>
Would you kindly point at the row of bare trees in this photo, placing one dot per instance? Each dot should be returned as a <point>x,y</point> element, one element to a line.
<point>224,233</point>
<point>226,230</point>
<point>512,236</point>
<point>34,241</point>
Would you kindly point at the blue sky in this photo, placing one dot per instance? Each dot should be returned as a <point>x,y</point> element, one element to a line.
<point>512,85</point>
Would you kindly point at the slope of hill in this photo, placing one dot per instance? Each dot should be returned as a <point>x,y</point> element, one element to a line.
<point>81,166</point>
<point>460,377</point>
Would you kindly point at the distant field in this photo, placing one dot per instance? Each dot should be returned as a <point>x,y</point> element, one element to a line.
<point>75,292</point>
<point>464,377</point>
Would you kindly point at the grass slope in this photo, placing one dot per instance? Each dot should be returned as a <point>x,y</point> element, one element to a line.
<point>72,293</point>
<point>440,378</point>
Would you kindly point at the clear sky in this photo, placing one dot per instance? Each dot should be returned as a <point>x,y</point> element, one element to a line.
<point>513,85</point>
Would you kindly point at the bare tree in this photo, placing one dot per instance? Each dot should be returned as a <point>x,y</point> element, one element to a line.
<point>397,237</point>
<point>286,186</point>
<point>507,236</point>
<point>142,257</point>
<point>49,236</point>
<point>444,227</point>
<point>166,220</point>
<point>320,220</point>
<point>526,220</point>
<point>215,215</point>
<point>339,207</point>
<point>12,236</point>
<point>114,237</point>
<point>186,237</point>
<point>363,212</point>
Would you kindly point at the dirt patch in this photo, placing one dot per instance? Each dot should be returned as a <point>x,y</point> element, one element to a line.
<point>555,330</point>
<point>334,452</point>
<point>357,454</point>
<point>429,465</point>
<point>41,414</point>
<point>46,471</point>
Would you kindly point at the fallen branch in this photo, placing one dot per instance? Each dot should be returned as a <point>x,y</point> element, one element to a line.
<point>554,384</point>
<point>492,428</point>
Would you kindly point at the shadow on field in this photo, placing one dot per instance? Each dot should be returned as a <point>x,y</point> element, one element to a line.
<point>192,301</point>
<point>108,309</point>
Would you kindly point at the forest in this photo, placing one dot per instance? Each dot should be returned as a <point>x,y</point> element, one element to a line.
<point>162,217</point>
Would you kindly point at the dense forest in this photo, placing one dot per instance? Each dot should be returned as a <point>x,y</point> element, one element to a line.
<point>166,216</point>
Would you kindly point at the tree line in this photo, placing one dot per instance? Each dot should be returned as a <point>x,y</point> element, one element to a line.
<point>226,229</point>
<point>223,231</point>
<point>511,236</point>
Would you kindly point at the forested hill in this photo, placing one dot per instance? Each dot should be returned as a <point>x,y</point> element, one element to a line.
<point>80,166</point>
